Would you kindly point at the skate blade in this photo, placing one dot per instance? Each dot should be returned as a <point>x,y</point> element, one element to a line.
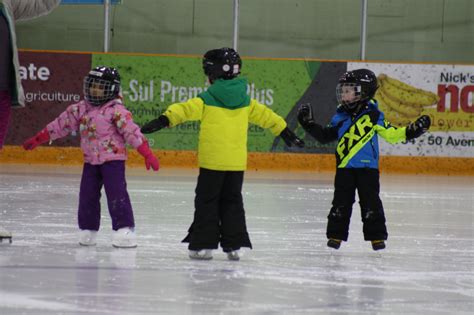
<point>200,258</point>
<point>87,244</point>
<point>125,246</point>
<point>203,256</point>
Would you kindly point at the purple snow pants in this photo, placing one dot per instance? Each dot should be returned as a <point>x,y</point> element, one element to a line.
<point>5,111</point>
<point>112,176</point>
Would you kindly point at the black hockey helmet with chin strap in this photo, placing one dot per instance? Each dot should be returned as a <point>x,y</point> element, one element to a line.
<point>106,79</point>
<point>364,83</point>
<point>223,63</point>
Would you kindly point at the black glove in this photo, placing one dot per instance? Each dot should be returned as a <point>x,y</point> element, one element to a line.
<point>419,127</point>
<point>156,124</point>
<point>291,139</point>
<point>305,115</point>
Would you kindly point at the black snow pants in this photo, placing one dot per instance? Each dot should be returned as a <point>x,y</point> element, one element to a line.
<point>219,215</point>
<point>367,183</point>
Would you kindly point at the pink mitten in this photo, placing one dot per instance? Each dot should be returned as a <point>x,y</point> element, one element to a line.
<point>39,138</point>
<point>150,159</point>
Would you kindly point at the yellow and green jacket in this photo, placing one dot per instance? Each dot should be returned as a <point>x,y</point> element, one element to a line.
<point>225,111</point>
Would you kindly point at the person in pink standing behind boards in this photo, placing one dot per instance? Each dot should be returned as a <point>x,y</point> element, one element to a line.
<point>105,127</point>
<point>11,91</point>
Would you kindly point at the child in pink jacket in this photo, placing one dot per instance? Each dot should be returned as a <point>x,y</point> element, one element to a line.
<point>105,126</point>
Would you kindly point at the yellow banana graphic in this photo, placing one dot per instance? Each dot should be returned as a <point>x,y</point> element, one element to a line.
<point>405,93</point>
<point>396,105</point>
<point>395,118</point>
<point>401,102</point>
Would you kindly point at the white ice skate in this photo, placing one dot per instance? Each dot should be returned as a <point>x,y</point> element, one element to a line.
<point>124,238</point>
<point>87,237</point>
<point>203,254</point>
<point>5,235</point>
<point>233,255</point>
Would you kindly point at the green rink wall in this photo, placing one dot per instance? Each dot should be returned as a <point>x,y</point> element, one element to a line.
<point>410,30</point>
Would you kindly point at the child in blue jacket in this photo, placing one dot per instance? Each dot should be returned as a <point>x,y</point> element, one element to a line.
<point>356,126</point>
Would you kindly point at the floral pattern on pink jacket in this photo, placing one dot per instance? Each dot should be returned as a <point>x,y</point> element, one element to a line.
<point>105,130</point>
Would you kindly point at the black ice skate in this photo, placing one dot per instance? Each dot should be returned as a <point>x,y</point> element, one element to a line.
<point>5,235</point>
<point>378,244</point>
<point>334,243</point>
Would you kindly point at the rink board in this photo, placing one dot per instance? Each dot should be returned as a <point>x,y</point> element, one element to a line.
<point>150,83</point>
<point>256,161</point>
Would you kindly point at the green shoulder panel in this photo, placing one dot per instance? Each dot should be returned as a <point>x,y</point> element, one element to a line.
<point>229,94</point>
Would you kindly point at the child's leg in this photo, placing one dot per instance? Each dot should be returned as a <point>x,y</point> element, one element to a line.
<point>344,196</point>
<point>233,231</point>
<point>5,112</point>
<point>373,217</point>
<point>118,200</point>
<point>204,231</point>
<point>89,198</point>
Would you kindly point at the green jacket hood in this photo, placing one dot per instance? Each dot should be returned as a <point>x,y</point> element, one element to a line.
<point>230,94</point>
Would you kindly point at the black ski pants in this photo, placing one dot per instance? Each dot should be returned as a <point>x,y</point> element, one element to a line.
<point>367,183</point>
<point>219,215</point>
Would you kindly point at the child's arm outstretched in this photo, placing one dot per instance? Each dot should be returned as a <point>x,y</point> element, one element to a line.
<point>264,117</point>
<point>321,134</point>
<point>176,114</point>
<point>393,135</point>
<point>67,122</point>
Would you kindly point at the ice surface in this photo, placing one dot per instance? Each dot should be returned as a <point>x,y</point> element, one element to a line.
<point>427,268</point>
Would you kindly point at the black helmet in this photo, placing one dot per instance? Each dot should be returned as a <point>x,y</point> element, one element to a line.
<point>105,79</point>
<point>362,82</point>
<point>223,63</point>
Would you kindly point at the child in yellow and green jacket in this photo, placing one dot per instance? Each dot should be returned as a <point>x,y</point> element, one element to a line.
<point>225,111</point>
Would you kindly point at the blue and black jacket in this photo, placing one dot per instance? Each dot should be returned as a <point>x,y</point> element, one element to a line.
<point>357,135</point>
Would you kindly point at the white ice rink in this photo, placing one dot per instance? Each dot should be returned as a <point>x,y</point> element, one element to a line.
<point>427,268</point>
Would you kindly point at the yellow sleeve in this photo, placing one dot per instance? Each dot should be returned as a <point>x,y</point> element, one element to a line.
<point>391,134</point>
<point>264,117</point>
<point>181,112</point>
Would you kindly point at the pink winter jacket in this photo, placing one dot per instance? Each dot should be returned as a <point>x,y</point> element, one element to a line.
<point>104,130</point>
